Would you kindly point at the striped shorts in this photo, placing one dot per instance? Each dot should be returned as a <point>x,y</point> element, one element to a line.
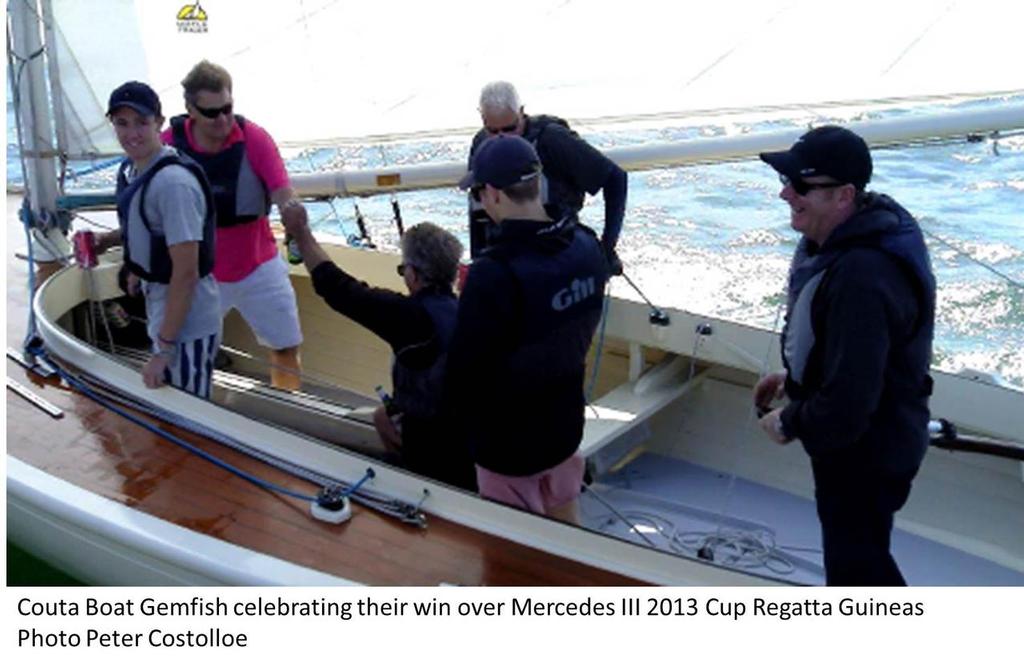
<point>192,368</point>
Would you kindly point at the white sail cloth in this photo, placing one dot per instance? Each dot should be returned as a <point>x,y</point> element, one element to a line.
<point>314,71</point>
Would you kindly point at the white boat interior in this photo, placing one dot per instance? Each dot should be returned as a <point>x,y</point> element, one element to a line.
<point>685,488</point>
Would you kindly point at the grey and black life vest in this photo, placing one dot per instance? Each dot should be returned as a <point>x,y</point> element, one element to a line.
<point>881,224</point>
<point>560,198</point>
<point>418,391</point>
<point>240,194</point>
<point>160,265</point>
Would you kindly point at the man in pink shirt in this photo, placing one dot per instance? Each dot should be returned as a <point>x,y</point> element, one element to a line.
<point>247,175</point>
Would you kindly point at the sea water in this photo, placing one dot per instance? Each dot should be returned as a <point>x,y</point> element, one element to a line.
<point>715,239</point>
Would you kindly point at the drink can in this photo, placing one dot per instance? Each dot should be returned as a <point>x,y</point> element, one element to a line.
<point>85,249</point>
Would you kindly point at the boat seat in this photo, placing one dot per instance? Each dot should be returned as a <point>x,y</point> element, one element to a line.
<point>335,416</point>
<point>617,423</point>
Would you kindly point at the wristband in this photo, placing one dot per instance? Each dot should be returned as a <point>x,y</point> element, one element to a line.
<point>165,353</point>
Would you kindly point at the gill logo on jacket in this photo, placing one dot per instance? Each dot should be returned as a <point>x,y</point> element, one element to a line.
<point>576,292</point>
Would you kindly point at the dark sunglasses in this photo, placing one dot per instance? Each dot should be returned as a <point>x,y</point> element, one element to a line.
<point>214,112</point>
<point>401,268</point>
<point>503,129</point>
<point>474,192</point>
<point>803,188</point>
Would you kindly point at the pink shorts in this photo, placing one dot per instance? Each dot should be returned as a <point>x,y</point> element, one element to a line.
<point>539,493</point>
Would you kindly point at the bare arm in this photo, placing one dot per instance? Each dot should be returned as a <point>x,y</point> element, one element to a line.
<point>297,227</point>
<point>291,209</point>
<point>106,240</point>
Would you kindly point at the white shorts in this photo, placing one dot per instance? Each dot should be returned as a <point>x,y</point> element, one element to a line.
<point>266,301</point>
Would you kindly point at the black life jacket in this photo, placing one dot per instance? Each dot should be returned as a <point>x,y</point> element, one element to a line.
<point>418,391</point>
<point>560,197</point>
<point>240,194</point>
<point>159,256</point>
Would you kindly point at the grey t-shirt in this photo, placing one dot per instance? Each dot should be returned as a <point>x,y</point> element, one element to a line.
<point>176,208</point>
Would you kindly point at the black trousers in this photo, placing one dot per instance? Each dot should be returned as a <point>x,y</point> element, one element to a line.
<point>856,506</point>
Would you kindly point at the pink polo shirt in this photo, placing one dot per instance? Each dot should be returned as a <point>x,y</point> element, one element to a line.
<point>240,249</point>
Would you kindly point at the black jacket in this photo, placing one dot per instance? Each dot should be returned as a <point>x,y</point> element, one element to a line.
<point>418,329</point>
<point>859,383</point>
<point>526,319</point>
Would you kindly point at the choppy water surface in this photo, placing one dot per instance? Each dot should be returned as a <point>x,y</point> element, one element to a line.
<point>716,239</point>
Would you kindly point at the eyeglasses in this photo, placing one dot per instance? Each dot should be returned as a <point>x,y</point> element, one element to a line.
<point>512,127</point>
<point>474,192</point>
<point>214,112</point>
<point>401,268</point>
<point>803,187</point>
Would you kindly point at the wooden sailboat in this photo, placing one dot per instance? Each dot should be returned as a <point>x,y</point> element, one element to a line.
<point>677,462</point>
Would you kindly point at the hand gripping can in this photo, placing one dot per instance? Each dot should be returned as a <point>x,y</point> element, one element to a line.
<point>85,249</point>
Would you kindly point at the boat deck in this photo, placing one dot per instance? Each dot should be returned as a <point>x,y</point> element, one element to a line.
<point>668,498</point>
<point>99,451</point>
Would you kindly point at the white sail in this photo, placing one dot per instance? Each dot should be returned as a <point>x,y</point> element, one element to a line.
<point>314,71</point>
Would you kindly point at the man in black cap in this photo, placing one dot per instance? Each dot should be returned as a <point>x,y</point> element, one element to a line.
<point>856,347</point>
<point>165,211</point>
<point>572,167</point>
<point>526,317</point>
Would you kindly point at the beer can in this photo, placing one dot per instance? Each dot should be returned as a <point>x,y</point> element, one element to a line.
<point>85,249</point>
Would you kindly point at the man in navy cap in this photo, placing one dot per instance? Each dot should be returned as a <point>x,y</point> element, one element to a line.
<point>856,347</point>
<point>526,317</point>
<point>165,209</point>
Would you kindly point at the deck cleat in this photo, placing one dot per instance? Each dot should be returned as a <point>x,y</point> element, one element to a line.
<point>332,505</point>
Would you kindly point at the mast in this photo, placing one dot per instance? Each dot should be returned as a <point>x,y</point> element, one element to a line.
<point>36,136</point>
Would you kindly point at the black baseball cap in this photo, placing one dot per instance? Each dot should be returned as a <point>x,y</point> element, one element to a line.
<point>501,161</point>
<point>828,151</point>
<point>136,95</point>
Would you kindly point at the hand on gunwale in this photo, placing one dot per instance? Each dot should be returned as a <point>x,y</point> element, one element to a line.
<point>153,371</point>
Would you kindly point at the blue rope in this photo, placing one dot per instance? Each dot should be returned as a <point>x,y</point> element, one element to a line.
<point>85,390</point>
<point>359,484</point>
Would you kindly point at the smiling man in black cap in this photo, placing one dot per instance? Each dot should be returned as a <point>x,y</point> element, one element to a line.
<point>526,317</point>
<point>856,347</point>
<point>165,212</point>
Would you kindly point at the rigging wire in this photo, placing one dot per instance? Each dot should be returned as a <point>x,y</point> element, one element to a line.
<point>1005,277</point>
<point>589,395</point>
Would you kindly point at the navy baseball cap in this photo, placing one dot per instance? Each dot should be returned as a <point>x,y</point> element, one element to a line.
<point>136,95</point>
<point>501,161</point>
<point>828,151</point>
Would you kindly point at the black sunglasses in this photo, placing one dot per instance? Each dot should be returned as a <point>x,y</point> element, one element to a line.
<point>803,188</point>
<point>401,268</point>
<point>474,192</point>
<point>214,112</point>
<point>503,129</point>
